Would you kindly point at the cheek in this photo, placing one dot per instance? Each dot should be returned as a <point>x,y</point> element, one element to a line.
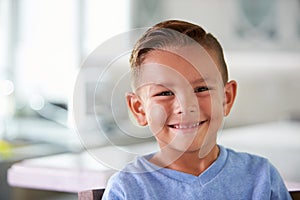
<point>156,117</point>
<point>205,106</point>
<point>211,106</point>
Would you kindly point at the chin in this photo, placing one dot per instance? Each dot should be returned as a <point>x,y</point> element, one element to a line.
<point>187,147</point>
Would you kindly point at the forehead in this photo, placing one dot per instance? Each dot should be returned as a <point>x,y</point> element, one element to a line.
<point>169,66</point>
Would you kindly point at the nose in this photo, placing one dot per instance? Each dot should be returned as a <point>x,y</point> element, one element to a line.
<point>187,104</point>
<point>187,109</point>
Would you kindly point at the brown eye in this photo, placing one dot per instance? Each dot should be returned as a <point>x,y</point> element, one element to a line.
<point>201,89</point>
<point>166,93</point>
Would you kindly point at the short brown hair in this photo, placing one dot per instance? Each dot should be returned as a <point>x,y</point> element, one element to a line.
<point>170,33</point>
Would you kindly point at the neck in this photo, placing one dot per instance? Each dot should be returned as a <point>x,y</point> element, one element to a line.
<point>187,162</point>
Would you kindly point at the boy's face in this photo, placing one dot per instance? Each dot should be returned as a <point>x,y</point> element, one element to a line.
<point>181,96</point>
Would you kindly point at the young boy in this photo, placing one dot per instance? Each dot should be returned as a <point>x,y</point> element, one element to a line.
<point>181,91</point>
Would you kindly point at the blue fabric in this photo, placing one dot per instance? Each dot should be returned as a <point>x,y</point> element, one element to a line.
<point>232,176</point>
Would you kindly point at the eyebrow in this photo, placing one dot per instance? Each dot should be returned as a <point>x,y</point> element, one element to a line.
<point>170,85</point>
<point>200,80</point>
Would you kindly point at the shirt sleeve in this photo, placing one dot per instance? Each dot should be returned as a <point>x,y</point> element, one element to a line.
<point>113,190</point>
<point>278,188</point>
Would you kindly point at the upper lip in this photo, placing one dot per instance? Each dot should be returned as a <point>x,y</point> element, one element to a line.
<point>186,125</point>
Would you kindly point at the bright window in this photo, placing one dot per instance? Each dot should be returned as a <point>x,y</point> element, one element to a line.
<point>44,42</point>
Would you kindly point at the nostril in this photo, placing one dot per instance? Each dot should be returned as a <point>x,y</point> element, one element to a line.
<point>188,109</point>
<point>192,108</point>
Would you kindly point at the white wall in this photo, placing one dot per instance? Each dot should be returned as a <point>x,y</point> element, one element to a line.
<point>268,86</point>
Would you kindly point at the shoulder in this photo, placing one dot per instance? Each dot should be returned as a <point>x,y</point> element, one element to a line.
<point>131,171</point>
<point>244,158</point>
<point>128,179</point>
<point>248,164</point>
<point>256,170</point>
<point>256,166</point>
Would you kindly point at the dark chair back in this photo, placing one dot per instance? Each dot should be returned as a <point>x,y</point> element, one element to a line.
<point>91,194</point>
<point>295,195</point>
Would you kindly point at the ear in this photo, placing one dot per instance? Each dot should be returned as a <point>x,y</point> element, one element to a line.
<point>230,90</point>
<point>135,105</point>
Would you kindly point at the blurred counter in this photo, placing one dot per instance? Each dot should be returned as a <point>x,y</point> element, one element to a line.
<point>26,138</point>
<point>71,172</point>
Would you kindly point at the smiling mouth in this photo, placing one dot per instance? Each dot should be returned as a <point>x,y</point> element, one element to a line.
<point>187,126</point>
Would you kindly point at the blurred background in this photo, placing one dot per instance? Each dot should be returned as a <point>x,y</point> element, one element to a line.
<point>44,43</point>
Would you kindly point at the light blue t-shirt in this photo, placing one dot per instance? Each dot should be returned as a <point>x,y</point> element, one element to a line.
<point>232,176</point>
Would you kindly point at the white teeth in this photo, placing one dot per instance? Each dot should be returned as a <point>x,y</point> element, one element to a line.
<point>187,126</point>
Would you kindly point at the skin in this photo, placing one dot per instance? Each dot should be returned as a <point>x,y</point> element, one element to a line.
<point>182,97</point>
